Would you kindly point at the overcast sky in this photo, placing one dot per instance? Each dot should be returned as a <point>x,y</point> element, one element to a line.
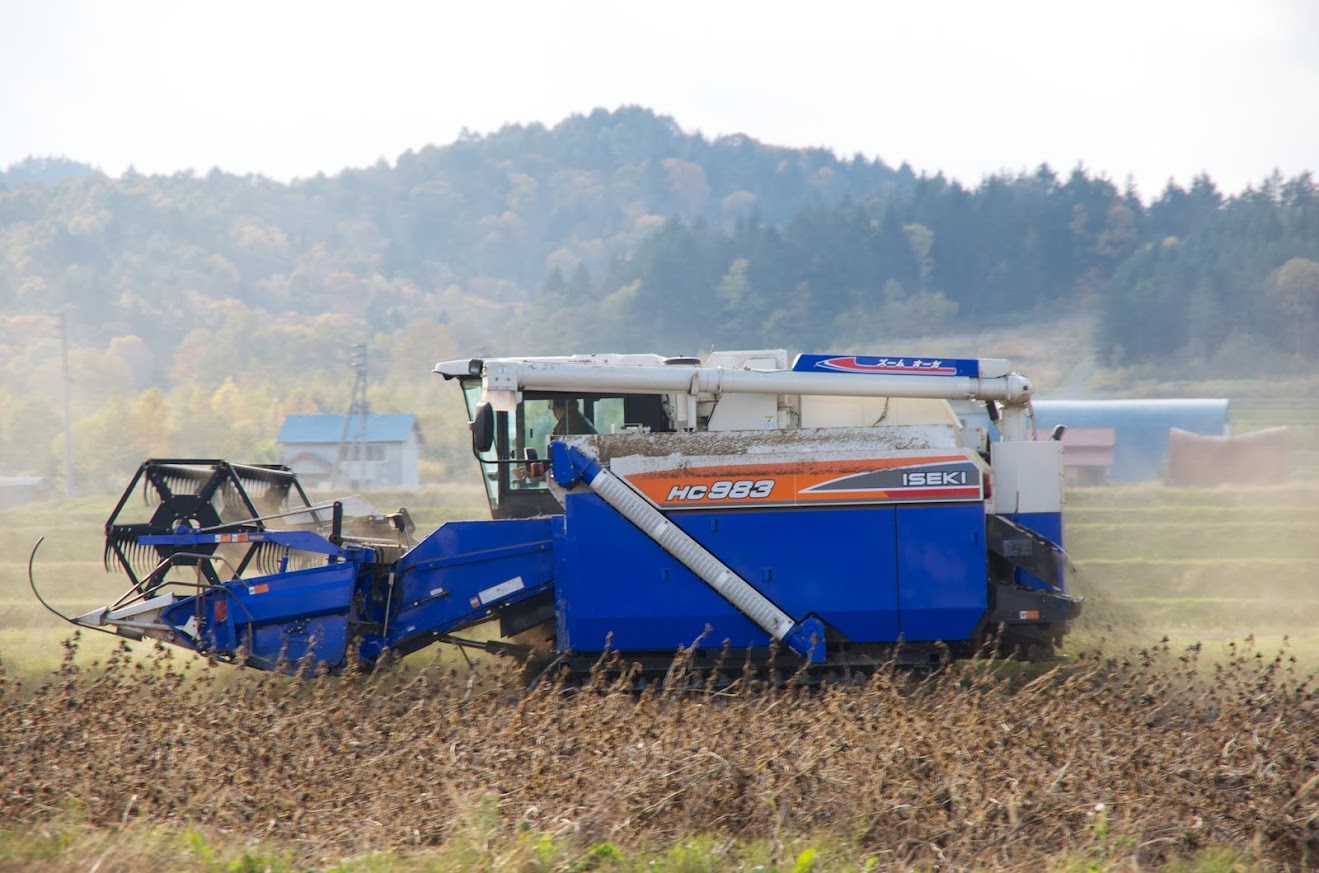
<point>1147,89</point>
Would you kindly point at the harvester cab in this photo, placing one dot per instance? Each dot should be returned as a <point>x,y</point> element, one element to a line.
<point>828,514</point>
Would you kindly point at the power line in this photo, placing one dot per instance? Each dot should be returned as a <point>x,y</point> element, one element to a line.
<point>62,329</point>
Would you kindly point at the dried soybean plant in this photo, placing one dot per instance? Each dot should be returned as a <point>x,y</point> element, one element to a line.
<point>1152,755</point>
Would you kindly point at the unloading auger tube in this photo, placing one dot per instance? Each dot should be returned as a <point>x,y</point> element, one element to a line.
<point>569,466</point>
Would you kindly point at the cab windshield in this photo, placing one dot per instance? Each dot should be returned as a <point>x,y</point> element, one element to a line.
<point>525,434</point>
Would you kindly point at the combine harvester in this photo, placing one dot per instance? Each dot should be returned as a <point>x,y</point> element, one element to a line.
<point>830,516</point>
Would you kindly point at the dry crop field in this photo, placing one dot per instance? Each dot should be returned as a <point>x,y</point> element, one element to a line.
<point>1201,750</point>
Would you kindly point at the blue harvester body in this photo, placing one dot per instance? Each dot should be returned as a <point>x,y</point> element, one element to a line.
<point>831,547</point>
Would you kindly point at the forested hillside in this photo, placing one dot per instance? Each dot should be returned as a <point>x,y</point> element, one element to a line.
<point>202,308</point>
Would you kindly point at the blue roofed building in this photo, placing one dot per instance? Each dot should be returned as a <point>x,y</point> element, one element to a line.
<point>328,451</point>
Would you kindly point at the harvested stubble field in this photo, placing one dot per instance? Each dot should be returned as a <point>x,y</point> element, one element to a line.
<point>1147,755</point>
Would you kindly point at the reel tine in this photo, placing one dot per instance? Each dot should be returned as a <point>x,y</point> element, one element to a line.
<point>256,492</point>
<point>138,558</point>
<point>267,488</point>
<point>240,491</point>
<point>267,558</point>
<point>123,553</point>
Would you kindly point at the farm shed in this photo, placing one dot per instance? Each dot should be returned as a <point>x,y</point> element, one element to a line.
<point>1258,458</point>
<point>323,453</point>
<point>21,490</point>
<point>1087,453</point>
<point>1141,428</point>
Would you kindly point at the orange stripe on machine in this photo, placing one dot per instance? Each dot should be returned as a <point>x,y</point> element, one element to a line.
<point>876,480</point>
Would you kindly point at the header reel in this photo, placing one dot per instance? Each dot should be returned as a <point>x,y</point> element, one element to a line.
<point>196,496</point>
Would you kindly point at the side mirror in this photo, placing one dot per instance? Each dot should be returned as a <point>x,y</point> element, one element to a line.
<point>483,427</point>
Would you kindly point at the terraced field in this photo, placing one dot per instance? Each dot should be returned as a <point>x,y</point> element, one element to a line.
<point>1201,565</point>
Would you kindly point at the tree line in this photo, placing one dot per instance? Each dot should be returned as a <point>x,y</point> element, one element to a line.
<point>609,231</point>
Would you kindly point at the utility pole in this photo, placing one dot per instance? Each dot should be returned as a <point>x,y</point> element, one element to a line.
<point>361,408</point>
<point>62,326</point>
<point>358,362</point>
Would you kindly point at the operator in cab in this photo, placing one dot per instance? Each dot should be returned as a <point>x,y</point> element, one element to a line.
<point>568,418</point>
<point>568,421</point>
